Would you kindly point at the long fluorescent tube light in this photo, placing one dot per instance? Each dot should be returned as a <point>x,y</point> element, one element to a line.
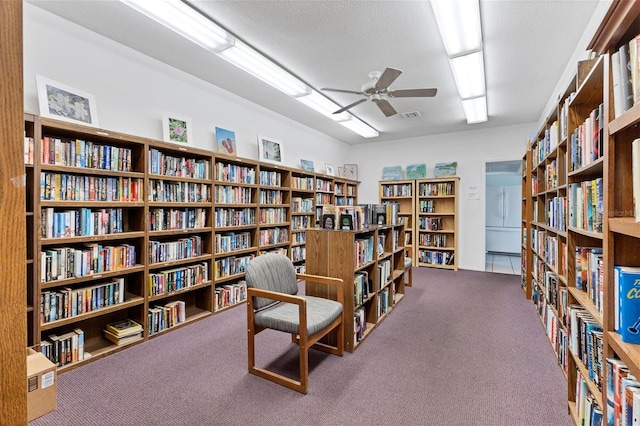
<point>459,25</point>
<point>186,21</point>
<point>360,127</point>
<point>324,106</point>
<point>475,109</point>
<point>468,72</point>
<point>248,59</point>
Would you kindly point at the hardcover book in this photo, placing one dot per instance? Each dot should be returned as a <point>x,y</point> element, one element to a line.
<point>629,303</point>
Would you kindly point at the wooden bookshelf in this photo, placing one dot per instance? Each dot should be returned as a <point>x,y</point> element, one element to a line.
<point>403,193</point>
<point>302,215</point>
<point>274,209</point>
<point>324,194</point>
<point>608,237</point>
<point>436,229</point>
<point>31,134</point>
<point>331,253</point>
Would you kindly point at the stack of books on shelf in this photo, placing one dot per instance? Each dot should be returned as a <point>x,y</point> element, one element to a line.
<point>123,332</point>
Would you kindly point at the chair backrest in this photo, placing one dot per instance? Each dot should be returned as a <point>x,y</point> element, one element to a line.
<point>273,272</point>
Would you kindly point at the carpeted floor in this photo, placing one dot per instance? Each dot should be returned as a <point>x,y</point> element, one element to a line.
<point>463,348</point>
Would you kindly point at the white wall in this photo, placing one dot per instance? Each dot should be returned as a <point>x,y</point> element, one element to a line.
<point>133,91</point>
<point>471,149</point>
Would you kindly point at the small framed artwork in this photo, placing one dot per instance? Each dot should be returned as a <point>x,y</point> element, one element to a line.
<point>342,172</point>
<point>329,169</point>
<point>61,102</point>
<point>225,141</point>
<point>307,165</point>
<point>445,169</point>
<point>178,129</point>
<point>392,173</point>
<point>352,171</point>
<point>416,171</point>
<point>270,149</point>
<point>346,222</point>
<point>328,221</point>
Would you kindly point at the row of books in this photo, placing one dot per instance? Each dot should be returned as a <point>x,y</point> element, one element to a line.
<point>299,182</point>
<point>230,294</point>
<point>624,70</point>
<point>623,394</point>
<point>65,348</point>
<point>273,215</point>
<point>164,164</point>
<point>587,140</point>
<point>70,187</point>
<point>384,302</point>
<point>75,262</point>
<point>553,326</point>
<point>67,302</point>
<point>298,238</point>
<point>430,223</point>
<point>163,317</point>
<point>225,194</point>
<point>359,324</point>
<point>169,251</point>
<point>397,190</point>
<point>436,189</point>
<point>362,287</point>
<point>589,274</point>
<point>83,222</point>
<point>302,222</point>
<point>298,254</point>
<point>551,174</point>
<point>170,219</point>
<point>432,240</point>
<point>363,252</point>
<point>273,236</point>
<point>384,272</point>
<point>585,342</point>
<point>323,185</point>
<point>227,172</point>
<point>270,178</point>
<point>235,217</point>
<point>271,196</point>
<point>587,410</point>
<point>232,241</point>
<point>557,213</point>
<point>85,154</point>
<point>29,154</point>
<point>301,205</point>
<point>162,191</point>
<point>586,205</point>
<point>170,280</point>
<point>434,257</point>
<point>232,265</point>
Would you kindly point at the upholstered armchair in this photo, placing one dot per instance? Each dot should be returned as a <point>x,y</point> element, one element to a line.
<point>273,303</point>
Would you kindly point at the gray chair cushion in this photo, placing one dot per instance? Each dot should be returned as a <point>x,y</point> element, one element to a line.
<point>285,316</point>
<point>273,272</point>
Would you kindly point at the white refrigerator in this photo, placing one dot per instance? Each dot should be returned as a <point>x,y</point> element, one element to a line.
<point>503,218</point>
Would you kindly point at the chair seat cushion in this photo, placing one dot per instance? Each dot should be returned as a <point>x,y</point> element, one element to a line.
<point>407,262</point>
<point>285,316</point>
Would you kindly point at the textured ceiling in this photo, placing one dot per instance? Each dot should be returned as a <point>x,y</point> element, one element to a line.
<point>337,43</point>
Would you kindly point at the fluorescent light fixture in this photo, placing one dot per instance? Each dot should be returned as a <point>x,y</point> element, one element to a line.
<point>459,25</point>
<point>360,127</point>
<point>475,109</point>
<point>468,71</point>
<point>245,57</point>
<point>186,21</point>
<point>324,106</point>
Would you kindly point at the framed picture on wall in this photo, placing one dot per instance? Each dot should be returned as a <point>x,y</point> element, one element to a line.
<point>270,149</point>
<point>64,103</point>
<point>225,141</point>
<point>307,165</point>
<point>352,171</point>
<point>416,171</point>
<point>177,129</point>
<point>329,169</point>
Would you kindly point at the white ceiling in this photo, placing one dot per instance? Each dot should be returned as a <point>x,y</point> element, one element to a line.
<point>337,43</point>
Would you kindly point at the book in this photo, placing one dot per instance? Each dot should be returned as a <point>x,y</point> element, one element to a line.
<point>122,340</point>
<point>629,303</point>
<point>124,327</point>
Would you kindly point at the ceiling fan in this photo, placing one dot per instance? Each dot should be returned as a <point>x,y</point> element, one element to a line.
<point>377,90</point>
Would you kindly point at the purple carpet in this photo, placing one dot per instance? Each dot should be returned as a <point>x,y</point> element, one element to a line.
<point>462,348</point>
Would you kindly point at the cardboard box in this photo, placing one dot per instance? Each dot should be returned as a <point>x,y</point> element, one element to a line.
<point>41,385</point>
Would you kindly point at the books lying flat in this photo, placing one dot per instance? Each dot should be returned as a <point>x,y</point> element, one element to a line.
<point>124,328</point>
<point>123,340</point>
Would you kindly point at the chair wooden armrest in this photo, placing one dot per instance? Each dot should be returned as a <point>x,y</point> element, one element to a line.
<point>337,282</point>
<point>274,295</point>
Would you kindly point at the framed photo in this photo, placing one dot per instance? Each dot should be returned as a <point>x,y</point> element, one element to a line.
<point>445,169</point>
<point>177,129</point>
<point>392,173</point>
<point>416,171</point>
<point>270,149</point>
<point>62,102</point>
<point>352,171</point>
<point>307,165</point>
<point>329,169</point>
<point>342,172</point>
<point>225,141</point>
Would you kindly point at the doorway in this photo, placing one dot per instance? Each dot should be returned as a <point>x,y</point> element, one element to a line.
<point>503,216</point>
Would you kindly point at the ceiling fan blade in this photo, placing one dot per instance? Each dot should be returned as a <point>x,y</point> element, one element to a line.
<point>385,107</point>
<point>350,106</point>
<point>388,76</point>
<point>342,91</point>
<point>413,93</point>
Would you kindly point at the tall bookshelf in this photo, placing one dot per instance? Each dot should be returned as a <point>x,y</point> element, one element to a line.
<point>526,255</point>
<point>179,224</point>
<point>31,134</point>
<point>436,234</point>
<point>324,194</point>
<point>403,193</point>
<point>302,215</point>
<point>274,209</point>
<point>373,278</point>
<point>600,234</point>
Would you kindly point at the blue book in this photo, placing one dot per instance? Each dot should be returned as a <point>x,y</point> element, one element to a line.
<point>629,304</point>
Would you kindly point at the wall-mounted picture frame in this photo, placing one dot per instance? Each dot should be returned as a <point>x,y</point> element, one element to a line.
<point>416,171</point>
<point>445,169</point>
<point>352,171</point>
<point>177,129</point>
<point>225,141</point>
<point>392,173</point>
<point>65,103</point>
<point>329,169</point>
<point>270,149</point>
<point>307,165</point>
<point>342,172</point>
